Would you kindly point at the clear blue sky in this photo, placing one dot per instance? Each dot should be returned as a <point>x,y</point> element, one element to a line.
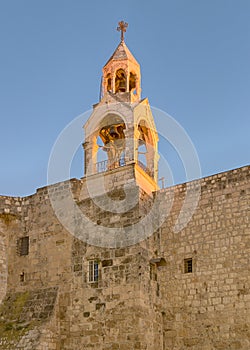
<point>195,63</point>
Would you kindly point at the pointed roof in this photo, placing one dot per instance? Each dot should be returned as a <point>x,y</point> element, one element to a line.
<point>122,53</point>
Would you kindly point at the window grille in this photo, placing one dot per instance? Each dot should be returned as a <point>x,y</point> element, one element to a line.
<point>93,271</point>
<point>23,246</point>
<point>188,265</point>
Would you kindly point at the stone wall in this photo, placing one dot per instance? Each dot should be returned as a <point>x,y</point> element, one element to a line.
<point>209,308</point>
<point>117,311</point>
<point>22,317</point>
<point>10,209</point>
<point>143,298</point>
<point>3,265</point>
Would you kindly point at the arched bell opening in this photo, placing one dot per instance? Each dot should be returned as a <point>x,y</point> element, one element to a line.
<point>111,143</point>
<point>146,148</point>
<point>132,82</point>
<point>120,81</point>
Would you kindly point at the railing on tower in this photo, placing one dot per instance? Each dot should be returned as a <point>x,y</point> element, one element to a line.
<point>102,166</point>
<point>106,165</point>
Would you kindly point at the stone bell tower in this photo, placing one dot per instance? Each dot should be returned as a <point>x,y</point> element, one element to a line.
<point>121,131</point>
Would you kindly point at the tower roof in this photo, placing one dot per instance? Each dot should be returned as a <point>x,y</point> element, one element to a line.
<point>122,53</point>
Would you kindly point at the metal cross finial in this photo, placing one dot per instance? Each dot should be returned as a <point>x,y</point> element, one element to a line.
<point>122,28</point>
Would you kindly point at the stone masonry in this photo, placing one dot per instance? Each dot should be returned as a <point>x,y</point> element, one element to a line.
<point>143,298</point>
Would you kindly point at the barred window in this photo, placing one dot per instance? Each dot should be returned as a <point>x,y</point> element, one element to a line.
<point>23,246</point>
<point>188,265</point>
<point>93,271</point>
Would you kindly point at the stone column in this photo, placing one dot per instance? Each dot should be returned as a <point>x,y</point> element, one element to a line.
<point>130,144</point>
<point>113,81</point>
<point>90,156</point>
<point>127,81</point>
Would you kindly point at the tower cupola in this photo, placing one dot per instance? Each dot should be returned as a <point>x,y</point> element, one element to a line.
<point>121,74</point>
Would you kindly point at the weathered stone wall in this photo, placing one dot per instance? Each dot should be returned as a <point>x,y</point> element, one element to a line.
<point>143,299</point>
<point>48,261</point>
<point>10,209</point>
<point>115,312</point>
<point>209,308</point>
<point>54,261</point>
<point>22,318</point>
<point>3,265</point>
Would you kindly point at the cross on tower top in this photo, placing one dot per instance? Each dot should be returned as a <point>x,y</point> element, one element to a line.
<point>122,28</point>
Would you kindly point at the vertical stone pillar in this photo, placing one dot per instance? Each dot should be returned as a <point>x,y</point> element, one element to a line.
<point>156,161</point>
<point>130,144</point>
<point>113,82</point>
<point>136,143</point>
<point>138,87</point>
<point>104,84</point>
<point>127,81</point>
<point>3,265</point>
<point>90,157</point>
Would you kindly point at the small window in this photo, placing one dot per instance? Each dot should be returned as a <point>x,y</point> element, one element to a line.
<point>22,277</point>
<point>23,246</point>
<point>188,265</point>
<point>93,271</point>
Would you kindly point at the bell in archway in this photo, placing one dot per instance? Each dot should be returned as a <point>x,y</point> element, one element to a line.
<point>113,132</point>
<point>122,86</point>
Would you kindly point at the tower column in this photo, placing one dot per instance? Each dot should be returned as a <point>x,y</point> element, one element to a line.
<point>113,82</point>
<point>90,157</point>
<point>138,87</point>
<point>130,145</point>
<point>136,143</point>
<point>127,80</point>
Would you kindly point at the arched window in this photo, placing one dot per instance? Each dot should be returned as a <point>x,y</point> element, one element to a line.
<point>120,81</point>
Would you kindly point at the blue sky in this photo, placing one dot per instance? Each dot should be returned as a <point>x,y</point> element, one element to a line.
<point>194,58</point>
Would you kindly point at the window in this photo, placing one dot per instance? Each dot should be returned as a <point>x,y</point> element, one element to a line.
<point>188,265</point>
<point>93,271</point>
<point>22,277</point>
<point>23,246</point>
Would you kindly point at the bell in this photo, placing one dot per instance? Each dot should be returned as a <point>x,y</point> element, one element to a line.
<point>113,132</point>
<point>122,86</point>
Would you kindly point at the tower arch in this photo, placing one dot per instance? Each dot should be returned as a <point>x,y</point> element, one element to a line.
<point>120,80</point>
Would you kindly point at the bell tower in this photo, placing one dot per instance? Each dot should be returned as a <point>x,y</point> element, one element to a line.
<point>122,72</point>
<point>121,131</point>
